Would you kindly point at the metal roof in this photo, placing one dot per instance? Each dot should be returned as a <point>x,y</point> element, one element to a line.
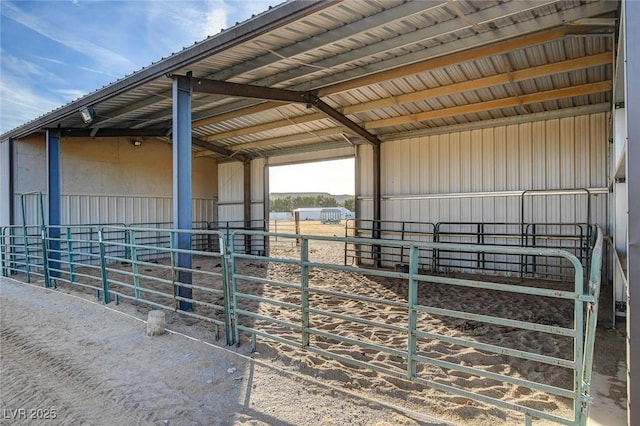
<point>390,66</point>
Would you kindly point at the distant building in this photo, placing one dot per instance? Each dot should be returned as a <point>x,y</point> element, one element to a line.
<point>315,213</point>
<point>280,216</point>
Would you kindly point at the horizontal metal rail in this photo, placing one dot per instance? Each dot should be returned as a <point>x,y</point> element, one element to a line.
<point>573,237</point>
<point>290,309</point>
<point>253,314</point>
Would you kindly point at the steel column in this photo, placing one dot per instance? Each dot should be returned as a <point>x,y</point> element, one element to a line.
<point>377,201</point>
<point>631,15</point>
<point>247,203</point>
<point>182,182</point>
<point>54,211</point>
<point>12,215</point>
<point>265,205</point>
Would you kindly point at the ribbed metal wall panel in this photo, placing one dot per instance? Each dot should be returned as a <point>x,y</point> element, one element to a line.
<point>230,191</point>
<point>230,213</point>
<point>364,171</point>
<point>5,179</point>
<point>257,189</point>
<point>561,153</point>
<point>112,209</point>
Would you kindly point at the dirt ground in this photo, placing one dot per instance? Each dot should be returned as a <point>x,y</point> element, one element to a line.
<point>66,360</point>
<point>316,384</point>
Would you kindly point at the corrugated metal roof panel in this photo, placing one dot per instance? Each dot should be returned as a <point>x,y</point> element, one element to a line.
<point>338,42</point>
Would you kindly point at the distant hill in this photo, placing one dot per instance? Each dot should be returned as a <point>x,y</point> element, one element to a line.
<point>339,198</point>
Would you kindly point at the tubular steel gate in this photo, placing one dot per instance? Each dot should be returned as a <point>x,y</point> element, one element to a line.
<point>295,306</point>
<point>576,238</point>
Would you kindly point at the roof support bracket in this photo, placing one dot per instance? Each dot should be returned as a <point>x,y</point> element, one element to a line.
<point>216,87</point>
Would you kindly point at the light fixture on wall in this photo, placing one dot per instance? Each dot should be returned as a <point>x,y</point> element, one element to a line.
<point>136,142</point>
<point>87,114</point>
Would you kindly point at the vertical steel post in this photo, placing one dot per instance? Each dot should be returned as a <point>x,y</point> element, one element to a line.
<point>25,242</point>
<point>103,268</point>
<point>266,208</point>
<point>182,181</point>
<point>578,346</point>
<point>72,269</point>
<point>246,166</point>
<point>631,13</point>
<point>377,204</point>
<point>233,312</point>
<point>226,291</point>
<point>53,202</point>
<point>413,313</point>
<point>133,253</point>
<point>304,284</point>
<point>12,219</point>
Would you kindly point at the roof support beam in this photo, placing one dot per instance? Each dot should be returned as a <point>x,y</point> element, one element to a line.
<point>567,92</point>
<point>551,95</point>
<point>113,133</point>
<point>266,126</point>
<point>283,95</point>
<point>211,148</point>
<point>429,64</point>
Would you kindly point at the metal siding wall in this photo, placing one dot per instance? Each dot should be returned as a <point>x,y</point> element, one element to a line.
<point>364,181</point>
<point>230,212</point>
<point>230,191</point>
<point>553,154</point>
<point>257,189</point>
<point>102,209</point>
<point>5,175</point>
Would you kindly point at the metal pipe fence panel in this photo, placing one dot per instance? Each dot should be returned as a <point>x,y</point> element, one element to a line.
<point>572,237</point>
<point>157,281</point>
<point>403,330</point>
<point>247,244</point>
<point>445,332</point>
<point>22,251</point>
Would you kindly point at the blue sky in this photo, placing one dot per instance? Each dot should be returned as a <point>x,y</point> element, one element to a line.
<point>55,51</point>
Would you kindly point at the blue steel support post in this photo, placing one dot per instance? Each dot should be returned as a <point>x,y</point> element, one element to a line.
<point>54,204</point>
<point>182,182</point>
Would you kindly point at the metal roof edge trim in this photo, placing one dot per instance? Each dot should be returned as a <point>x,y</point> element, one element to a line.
<point>266,21</point>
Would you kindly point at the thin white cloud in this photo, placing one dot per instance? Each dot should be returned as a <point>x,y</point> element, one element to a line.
<point>20,103</point>
<point>69,95</point>
<point>215,20</point>
<point>124,37</point>
<point>12,65</point>
<point>47,27</point>
<point>55,61</point>
<point>114,76</point>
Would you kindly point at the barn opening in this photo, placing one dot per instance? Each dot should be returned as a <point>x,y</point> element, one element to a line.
<point>303,196</point>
